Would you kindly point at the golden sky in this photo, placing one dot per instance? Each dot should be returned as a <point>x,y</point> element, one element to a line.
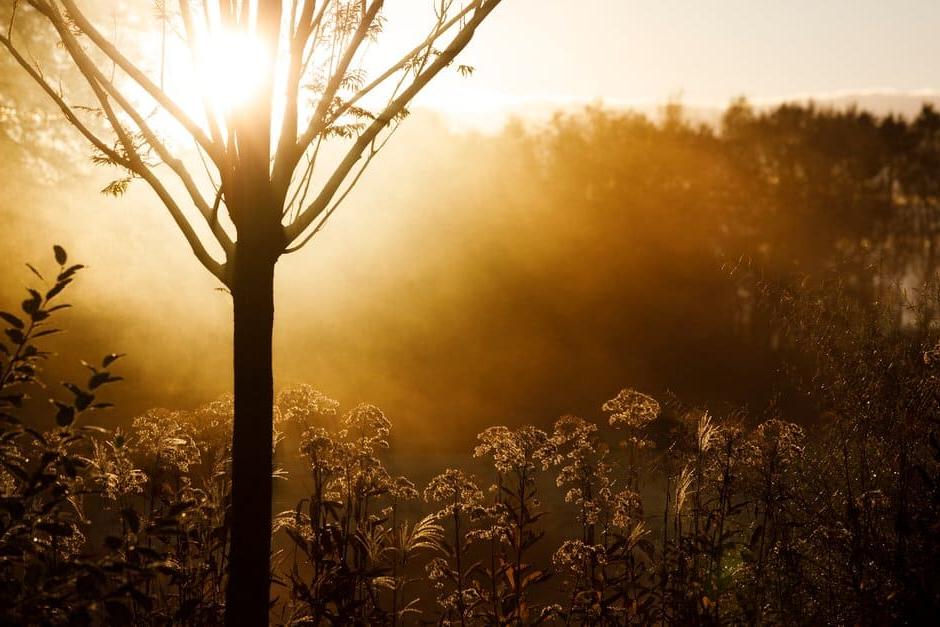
<point>707,51</point>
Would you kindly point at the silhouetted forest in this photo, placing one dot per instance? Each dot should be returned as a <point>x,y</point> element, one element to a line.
<point>544,267</point>
<point>701,364</point>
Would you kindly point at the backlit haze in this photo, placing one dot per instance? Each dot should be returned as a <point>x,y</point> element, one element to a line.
<point>439,292</point>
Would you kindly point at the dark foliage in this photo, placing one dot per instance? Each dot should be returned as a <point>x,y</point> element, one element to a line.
<point>759,521</point>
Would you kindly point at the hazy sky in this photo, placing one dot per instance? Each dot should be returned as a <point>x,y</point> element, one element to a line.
<point>642,51</point>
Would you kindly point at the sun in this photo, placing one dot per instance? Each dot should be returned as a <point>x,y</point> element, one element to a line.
<point>223,71</point>
<point>234,66</point>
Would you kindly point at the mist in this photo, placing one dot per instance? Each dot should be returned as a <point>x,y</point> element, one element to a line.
<point>591,365</point>
<point>454,287</point>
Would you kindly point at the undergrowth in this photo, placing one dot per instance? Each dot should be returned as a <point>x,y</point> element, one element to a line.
<point>665,514</point>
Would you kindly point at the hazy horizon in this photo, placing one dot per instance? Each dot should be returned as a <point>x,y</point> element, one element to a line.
<point>709,52</point>
<point>496,113</point>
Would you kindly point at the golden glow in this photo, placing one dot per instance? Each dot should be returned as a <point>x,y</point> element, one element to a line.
<point>234,66</point>
<point>224,71</point>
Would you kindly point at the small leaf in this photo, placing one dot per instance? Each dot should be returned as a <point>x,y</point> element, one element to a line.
<point>110,359</point>
<point>82,398</point>
<point>57,288</point>
<point>11,319</point>
<point>100,378</point>
<point>60,256</point>
<point>31,305</point>
<point>69,272</point>
<point>116,187</point>
<point>16,336</point>
<point>66,414</point>
<point>35,271</point>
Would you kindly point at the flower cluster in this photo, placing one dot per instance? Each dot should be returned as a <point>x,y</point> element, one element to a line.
<point>632,409</point>
<point>625,508</point>
<point>439,572</point>
<point>368,426</point>
<point>303,404</point>
<point>778,441</point>
<point>584,467</point>
<point>402,489</point>
<point>116,473</point>
<point>456,491</point>
<point>517,450</point>
<point>573,555</point>
<point>495,524</point>
<point>166,438</point>
<point>212,423</point>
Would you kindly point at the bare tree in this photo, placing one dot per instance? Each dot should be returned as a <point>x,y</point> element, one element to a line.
<point>256,190</point>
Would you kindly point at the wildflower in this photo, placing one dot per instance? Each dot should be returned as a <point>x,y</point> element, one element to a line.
<point>776,439</point>
<point>456,491</point>
<point>368,426</point>
<point>165,436</point>
<point>67,543</point>
<point>116,474</point>
<point>573,555</point>
<point>731,449</point>
<point>551,612</point>
<point>573,431</point>
<point>402,489</point>
<point>438,572</point>
<point>632,409</point>
<point>625,507</point>
<point>211,426</point>
<point>317,446</point>
<point>520,450</point>
<point>495,524</point>
<point>581,453</point>
<point>300,405</point>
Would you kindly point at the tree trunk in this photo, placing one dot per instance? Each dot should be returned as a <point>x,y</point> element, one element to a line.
<point>248,591</point>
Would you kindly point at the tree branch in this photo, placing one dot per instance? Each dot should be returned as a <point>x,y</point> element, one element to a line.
<point>316,127</point>
<point>136,163</point>
<point>57,98</point>
<point>392,111</point>
<point>289,149</point>
<point>88,29</point>
<point>93,73</point>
